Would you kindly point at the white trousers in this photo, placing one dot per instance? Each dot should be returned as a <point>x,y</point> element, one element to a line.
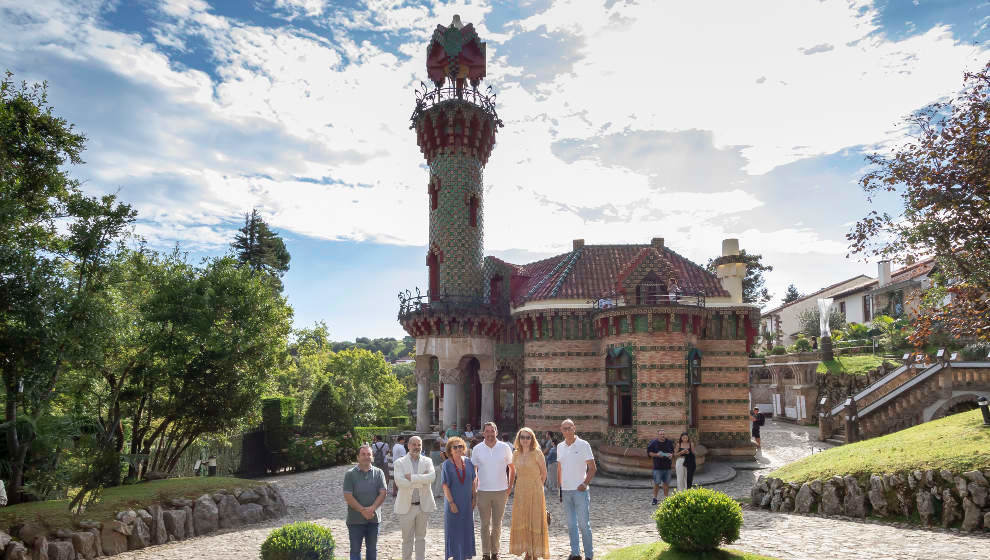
<point>681,471</point>
<point>413,526</point>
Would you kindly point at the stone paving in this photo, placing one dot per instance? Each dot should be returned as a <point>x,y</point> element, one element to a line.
<point>620,517</point>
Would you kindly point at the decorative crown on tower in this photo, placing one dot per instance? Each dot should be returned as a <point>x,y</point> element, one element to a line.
<point>456,52</point>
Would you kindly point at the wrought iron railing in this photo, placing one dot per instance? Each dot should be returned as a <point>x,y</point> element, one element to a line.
<point>410,303</point>
<point>614,300</point>
<point>426,98</point>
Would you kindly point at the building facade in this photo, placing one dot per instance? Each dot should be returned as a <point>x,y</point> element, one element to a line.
<point>623,339</point>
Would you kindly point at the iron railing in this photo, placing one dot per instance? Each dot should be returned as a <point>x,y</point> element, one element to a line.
<point>426,98</point>
<point>448,303</point>
<point>614,300</point>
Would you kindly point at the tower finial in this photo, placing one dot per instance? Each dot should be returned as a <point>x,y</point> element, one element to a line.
<point>456,22</point>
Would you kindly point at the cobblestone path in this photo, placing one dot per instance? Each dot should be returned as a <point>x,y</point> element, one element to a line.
<point>620,517</point>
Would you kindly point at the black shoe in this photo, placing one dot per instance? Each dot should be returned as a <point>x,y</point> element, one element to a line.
<point>486,557</point>
<point>655,501</point>
<point>573,558</point>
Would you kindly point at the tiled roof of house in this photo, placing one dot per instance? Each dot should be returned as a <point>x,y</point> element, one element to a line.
<point>866,281</point>
<point>592,271</point>
<point>912,271</point>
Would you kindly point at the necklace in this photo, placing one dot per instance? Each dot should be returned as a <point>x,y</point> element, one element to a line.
<point>461,472</point>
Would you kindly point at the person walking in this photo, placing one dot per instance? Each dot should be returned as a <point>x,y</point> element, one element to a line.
<point>550,451</point>
<point>452,431</point>
<point>460,487</point>
<point>493,461</point>
<point>379,456</point>
<point>364,492</point>
<point>661,449</point>
<point>529,534</point>
<point>414,476</point>
<point>757,419</point>
<point>685,462</point>
<point>575,469</point>
<point>438,457</point>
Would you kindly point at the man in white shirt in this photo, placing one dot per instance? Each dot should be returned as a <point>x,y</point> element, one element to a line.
<point>414,474</point>
<point>398,451</point>
<point>491,458</point>
<point>575,469</point>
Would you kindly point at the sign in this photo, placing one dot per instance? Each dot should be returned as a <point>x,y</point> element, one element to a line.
<point>318,443</point>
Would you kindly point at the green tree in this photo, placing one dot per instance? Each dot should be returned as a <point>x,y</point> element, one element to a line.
<point>791,294</point>
<point>809,321</point>
<point>261,249</point>
<point>56,246</point>
<point>305,370</point>
<point>754,290</point>
<point>366,384</point>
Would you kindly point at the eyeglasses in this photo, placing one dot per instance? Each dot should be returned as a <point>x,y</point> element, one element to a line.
<point>525,437</point>
<point>458,447</point>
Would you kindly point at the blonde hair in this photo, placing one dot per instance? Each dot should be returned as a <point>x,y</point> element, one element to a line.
<point>532,440</point>
<point>453,441</point>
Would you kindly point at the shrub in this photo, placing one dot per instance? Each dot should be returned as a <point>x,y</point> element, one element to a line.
<point>325,414</point>
<point>278,415</point>
<point>698,519</point>
<point>802,344</point>
<point>976,352</point>
<point>778,351</point>
<point>305,454</point>
<point>299,541</point>
<point>365,434</point>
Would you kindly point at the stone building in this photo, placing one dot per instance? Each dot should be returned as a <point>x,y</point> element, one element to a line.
<point>623,339</point>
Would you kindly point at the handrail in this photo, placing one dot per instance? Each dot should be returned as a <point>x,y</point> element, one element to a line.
<point>929,371</point>
<point>447,303</point>
<point>426,98</point>
<point>873,386</point>
<point>614,299</point>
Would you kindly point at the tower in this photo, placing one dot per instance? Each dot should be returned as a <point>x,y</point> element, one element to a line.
<point>455,128</point>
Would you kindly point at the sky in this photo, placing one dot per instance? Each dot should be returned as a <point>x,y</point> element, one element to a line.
<point>693,121</point>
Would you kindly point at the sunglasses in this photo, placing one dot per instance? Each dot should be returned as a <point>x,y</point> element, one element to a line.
<point>458,447</point>
<point>525,437</point>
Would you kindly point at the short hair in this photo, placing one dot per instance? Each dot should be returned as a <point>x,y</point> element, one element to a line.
<point>400,438</point>
<point>492,424</point>
<point>568,421</point>
<point>454,441</point>
<point>377,437</point>
<point>363,446</point>
<point>416,438</point>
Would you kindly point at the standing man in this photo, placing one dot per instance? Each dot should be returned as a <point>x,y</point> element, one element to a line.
<point>398,450</point>
<point>661,449</point>
<point>452,431</point>
<point>379,455</point>
<point>414,475</point>
<point>364,492</point>
<point>493,462</point>
<point>575,469</point>
<point>758,421</point>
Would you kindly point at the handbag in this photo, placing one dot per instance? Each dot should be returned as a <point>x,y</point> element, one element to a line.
<point>548,518</point>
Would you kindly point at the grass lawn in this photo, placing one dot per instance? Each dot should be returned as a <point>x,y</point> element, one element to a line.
<point>662,551</point>
<point>958,443</point>
<point>55,513</point>
<point>855,364</point>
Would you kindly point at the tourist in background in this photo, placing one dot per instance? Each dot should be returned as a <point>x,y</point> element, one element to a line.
<point>575,469</point>
<point>398,451</point>
<point>379,456</point>
<point>414,476</point>
<point>757,419</point>
<point>550,451</point>
<point>364,492</point>
<point>685,464</point>
<point>493,460</point>
<point>452,431</point>
<point>661,450</point>
<point>438,457</point>
<point>529,535</point>
<point>460,486</point>
<point>468,432</point>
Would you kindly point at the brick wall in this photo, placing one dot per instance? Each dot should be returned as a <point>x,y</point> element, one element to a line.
<point>571,375</point>
<point>724,392</point>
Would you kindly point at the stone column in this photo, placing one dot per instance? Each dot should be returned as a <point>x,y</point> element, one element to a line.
<point>463,404</point>
<point>423,400</point>
<point>487,377</point>
<point>451,382</point>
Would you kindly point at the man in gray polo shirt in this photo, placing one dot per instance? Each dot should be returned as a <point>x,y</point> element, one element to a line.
<point>364,492</point>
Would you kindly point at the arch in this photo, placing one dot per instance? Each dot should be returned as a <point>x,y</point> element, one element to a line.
<point>952,405</point>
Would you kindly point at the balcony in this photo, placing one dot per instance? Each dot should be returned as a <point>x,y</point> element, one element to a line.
<point>426,98</point>
<point>649,298</point>
<point>411,305</point>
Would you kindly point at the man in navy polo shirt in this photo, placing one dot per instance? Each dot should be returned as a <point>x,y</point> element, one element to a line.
<point>660,449</point>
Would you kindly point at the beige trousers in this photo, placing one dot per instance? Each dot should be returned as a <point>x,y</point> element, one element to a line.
<point>491,508</point>
<point>413,527</point>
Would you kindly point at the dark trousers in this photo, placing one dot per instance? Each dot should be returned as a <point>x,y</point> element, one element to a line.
<point>690,474</point>
<point>368,533</point>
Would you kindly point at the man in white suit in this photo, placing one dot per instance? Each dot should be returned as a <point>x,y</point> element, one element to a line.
<point>414,474</point>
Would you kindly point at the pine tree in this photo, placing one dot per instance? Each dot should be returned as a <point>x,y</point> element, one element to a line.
<point>791,294</point>
<point>261,249</point>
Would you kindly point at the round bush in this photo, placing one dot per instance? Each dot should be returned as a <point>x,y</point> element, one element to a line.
<point>698,519</point>
<point>299,541</point>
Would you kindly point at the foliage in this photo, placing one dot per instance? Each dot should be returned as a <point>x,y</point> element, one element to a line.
<point>391,348</point>
<point>278,417</point>
<point>261,249</point>
<point>402,421</point>
<point>56,246</point>
<point>855,365</point>
<point>802,344</point>
<point>893,333</point>
<point>306,368</point>
<point>943,179</point>
<point>320,451</point>
<point>978,351</point>
<point>698,519</point>
<point>753,283</point>
<point>956,443</point>
<point>366,434</point>
<point>368,390</point>
<point>809,320</point>
<point>325,413</point>
<point>299,541</point>
<point>778,351</point>
<point>791,294</point>
<point>662,551</point>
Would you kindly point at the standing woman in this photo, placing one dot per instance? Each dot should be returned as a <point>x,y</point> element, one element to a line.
<point>685,462</point>
<point>530,535</point>
<point>460,487</point>
<point>550,452</point>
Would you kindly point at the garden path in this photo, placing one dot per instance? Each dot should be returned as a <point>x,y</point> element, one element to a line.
<point>620,517</point>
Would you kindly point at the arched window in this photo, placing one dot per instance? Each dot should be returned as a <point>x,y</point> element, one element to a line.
<point>618,379</point>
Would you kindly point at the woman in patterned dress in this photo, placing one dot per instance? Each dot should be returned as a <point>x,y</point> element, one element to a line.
<point>530,534</point>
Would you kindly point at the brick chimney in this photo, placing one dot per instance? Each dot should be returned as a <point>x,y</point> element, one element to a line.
<point>578,243</point>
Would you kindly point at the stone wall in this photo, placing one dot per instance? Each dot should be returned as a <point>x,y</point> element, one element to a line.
<point>159,523</point>
<point>927,497</point>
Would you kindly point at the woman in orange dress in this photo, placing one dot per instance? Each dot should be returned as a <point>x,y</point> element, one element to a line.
<point>530,534</point>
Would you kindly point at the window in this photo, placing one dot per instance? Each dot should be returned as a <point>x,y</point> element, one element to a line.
<point>473,211</point>
<point>842,307</point>
<point>618,379</point>
<point>694,381</point>
<point>434,265</point>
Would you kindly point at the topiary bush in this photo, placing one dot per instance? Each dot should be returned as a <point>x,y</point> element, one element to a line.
<point>778,351</point>
<point>326,414</point>
<point>698,519</point>
<point>299,541</point>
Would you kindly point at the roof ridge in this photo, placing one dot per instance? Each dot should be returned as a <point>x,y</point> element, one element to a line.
<point>802,298</point>
<point>570,266</point>
<point>543,280</point>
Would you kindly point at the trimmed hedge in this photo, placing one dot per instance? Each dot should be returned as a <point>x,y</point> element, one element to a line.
<point>698,520</point>
<point>278,416</point>
<point>305,454</point>
<point>299,541</point>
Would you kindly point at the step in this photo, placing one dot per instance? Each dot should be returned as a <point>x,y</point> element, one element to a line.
<point>835,441</point>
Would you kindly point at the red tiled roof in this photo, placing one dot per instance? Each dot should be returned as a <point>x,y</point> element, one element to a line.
<point>594,270</point>
<point>912,271</point>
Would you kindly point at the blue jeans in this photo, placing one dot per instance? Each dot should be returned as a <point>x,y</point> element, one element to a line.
<point>577,507</point>
<point>368,533</point>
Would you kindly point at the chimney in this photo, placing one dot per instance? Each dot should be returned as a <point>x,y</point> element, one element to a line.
<point>730,247</point>
<point>578,243</point>
<point>657,243</point>
<point>731,274</point>
<point>883,273</point>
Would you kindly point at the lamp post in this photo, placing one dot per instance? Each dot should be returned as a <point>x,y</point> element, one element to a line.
<point>982,403</point>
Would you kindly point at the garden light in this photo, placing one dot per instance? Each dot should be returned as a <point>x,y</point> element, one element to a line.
<point>982,403</point>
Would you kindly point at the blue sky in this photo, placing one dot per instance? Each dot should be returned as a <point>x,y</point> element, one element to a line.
<point>692,121</point>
